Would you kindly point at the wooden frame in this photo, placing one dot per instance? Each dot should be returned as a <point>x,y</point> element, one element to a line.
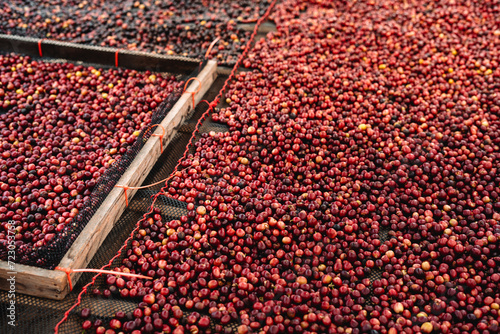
<point>54,284</point>
<point>104,56</point>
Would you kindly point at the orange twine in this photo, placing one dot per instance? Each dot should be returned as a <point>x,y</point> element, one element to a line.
<point>111,272</point>
<point>159,135</point>
<point>211,105</point>
<point>125,188</point>
<point>40,48</point>
<point>211,46</point>
<point>192,93</point>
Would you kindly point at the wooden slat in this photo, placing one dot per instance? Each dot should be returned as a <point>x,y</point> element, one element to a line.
<point>97,54</point>
<point>263,29</point>
<point>52,283</point>
<point>34,281</point>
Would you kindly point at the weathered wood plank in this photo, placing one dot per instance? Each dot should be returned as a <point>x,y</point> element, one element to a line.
<point>34,281</point>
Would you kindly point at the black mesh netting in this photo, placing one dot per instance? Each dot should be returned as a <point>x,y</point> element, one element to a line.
<point>49,256</point>
<point>164,27</point>
<point>104,309</point>
<point>39,315</point>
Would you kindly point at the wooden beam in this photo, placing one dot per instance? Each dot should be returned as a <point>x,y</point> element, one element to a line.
<point>34,281</point>
<point>97,54</point>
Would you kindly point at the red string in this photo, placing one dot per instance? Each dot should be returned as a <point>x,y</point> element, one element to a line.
<point>211,107</point>
<point>161,140</point>
<point>211,46</point>
<point>40,48</point>
<point>192,93</point>
<point>212,104</point>
<point>68,272</point>
<point>85,288</point>
<point>159,135</point>
<point>125,188</point>
<point>116,58</point>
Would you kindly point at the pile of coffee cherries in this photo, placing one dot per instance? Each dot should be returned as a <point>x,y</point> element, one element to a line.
<point>355,191</point>
<point>168,27</point>
<point>61,126</point>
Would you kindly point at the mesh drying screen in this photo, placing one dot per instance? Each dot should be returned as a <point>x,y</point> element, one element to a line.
<point>105,308</point>
<point>39,315</point>
<point>49,256</point>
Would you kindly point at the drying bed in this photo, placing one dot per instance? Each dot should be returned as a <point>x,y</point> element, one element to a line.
<point>355,188</point>
<point>166,27</point>
<point>37,314</point>
<point>63,126</point>
<point>71,134</point>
